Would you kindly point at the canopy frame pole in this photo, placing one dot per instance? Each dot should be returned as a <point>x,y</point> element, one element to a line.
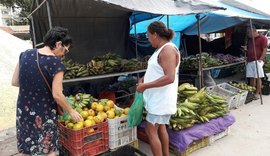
<point>200,51</point>
<point>168,22</point>
<point>33,31</point>
<point>256,60</point>
<point>49,14</point>
<point>136,40</point>
<point>36,8</point>
<point>37,3</point>
<point>136,43</point>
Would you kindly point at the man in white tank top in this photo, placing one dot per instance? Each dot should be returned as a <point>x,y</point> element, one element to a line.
<point>159,86</point>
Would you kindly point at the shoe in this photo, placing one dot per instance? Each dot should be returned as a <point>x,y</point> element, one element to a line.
<point>255,97</point>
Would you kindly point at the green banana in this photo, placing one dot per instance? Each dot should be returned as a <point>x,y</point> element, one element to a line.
<point>189,93</point>
<point>191,88</point>
<point>217,97</point>
<point>183,86</point>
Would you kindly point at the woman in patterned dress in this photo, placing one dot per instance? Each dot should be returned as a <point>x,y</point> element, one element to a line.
<point>36,120</point>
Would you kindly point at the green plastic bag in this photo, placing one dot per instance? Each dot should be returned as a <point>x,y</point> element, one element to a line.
<point>135,113</point>
<point>66,116</point>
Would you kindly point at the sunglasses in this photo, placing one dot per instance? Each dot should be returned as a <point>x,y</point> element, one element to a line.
<point>66,49</point>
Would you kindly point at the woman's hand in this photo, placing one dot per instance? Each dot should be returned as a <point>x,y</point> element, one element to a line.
<point>140,87</point>
<point>75,115</point>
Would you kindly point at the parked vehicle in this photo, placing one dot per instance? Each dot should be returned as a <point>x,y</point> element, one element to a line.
<point>266,33</point>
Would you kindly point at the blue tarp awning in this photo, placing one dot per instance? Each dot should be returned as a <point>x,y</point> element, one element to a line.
<point>211,22</point>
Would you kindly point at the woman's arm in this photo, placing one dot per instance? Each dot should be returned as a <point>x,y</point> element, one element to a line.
<point>15,77</point>
<point>57,91</point>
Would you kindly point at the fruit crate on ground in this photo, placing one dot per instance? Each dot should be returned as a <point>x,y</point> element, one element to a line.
<point>195,145</point>
<point>243,86</point>
<point>119,132</point>
<point>218,136</point>
<point>250,97</point>
<point>88,141</point>
<point>265,87</point>
<point>242,94</point>
<point>126,150</point>
<point>231,98</point>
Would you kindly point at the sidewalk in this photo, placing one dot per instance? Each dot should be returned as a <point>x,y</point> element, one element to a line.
<point>8,142</point>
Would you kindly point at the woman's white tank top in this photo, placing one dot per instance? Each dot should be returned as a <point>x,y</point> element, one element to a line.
<point>160,100</point>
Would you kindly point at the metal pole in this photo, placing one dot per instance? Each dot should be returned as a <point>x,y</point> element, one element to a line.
<point>36,8</point>
<point>256,63</point>
<point>37,3</point>
<point>200,51</point>
<point>168,21</point>
<point>49,14</point>
<point>136,43</point>
<point>34,33</point>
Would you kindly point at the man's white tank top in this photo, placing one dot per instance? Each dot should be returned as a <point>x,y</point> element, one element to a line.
<point>160,100</point>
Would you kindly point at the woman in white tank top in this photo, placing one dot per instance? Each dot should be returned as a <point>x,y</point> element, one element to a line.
<point>159,86</point>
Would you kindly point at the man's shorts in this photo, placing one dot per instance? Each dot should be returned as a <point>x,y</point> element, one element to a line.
<point>158,119</point>
<point>251,71</point>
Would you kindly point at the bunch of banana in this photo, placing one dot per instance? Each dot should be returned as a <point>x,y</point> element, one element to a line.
<point>80,100</point>
<point>95,67</point>
<point>185,115</point>
<point>131,65</point>
<point>242,86</point>
<point>186,90</point>
<point>212,107</point>
<point>266,67</point>
<point>103,64</point>
<point>75,69</point>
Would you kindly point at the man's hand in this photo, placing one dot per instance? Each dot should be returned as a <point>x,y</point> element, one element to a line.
<point>244,48</point>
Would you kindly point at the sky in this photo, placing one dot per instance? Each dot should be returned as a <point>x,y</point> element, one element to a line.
<point>263,5</point>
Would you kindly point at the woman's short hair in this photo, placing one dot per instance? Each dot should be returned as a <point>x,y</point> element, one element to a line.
<point>161,29</point>
<point>57,34</point>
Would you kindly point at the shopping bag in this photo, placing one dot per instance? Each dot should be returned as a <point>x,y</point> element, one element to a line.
<point>65,115</point>
<point>135,112</point>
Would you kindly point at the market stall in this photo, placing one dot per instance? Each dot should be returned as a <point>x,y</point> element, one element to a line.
<point>99,30</point>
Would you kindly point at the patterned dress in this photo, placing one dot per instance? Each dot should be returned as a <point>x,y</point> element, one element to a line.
<point>36,108</point>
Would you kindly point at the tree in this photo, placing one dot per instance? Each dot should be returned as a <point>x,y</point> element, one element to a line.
<point>23,5</point>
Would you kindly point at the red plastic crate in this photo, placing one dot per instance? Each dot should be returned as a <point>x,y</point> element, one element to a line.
<point>83,143</point>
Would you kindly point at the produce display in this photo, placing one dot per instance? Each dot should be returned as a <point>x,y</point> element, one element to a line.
<point>191,62</point>
<point>196,107</point>
<point>227,59</point>
<point>266,67</point>
<point>102,64</point>
<point>242,86</point>
<point>92,110</point>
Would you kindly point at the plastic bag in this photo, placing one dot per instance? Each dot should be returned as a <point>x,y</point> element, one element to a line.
<point>65,115</point>
<point>135,112</point>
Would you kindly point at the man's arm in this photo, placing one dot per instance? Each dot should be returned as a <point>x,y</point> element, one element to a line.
<point>264,46</point>
<point>263,54</point>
